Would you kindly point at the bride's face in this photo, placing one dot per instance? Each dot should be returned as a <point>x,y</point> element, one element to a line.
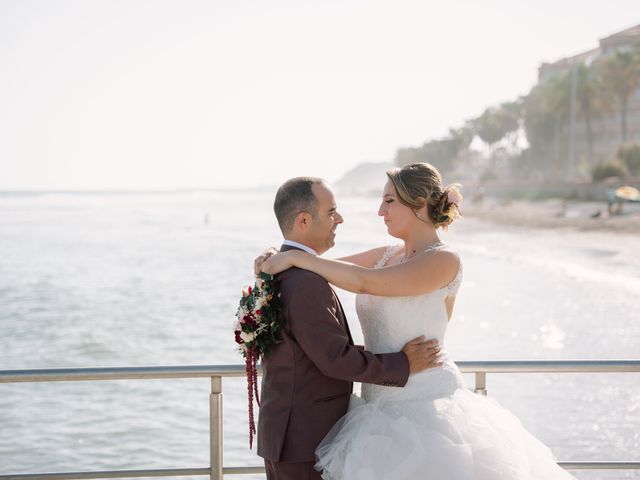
<point>398,218</point>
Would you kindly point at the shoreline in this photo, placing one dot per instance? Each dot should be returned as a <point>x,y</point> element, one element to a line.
<point>556,214</point>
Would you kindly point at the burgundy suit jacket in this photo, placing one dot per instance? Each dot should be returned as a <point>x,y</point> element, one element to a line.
<point>307,378</point>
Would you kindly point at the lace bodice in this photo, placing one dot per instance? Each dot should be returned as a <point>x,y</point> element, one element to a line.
<point>390,322</point>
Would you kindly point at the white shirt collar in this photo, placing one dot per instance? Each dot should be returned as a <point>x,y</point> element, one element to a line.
<point>291,243</point>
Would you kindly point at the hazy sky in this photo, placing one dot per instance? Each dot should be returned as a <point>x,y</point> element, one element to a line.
<point>172,94</point>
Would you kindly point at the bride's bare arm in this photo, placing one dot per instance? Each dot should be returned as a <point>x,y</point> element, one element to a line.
<point>424,273</point>
<point>366,259</point>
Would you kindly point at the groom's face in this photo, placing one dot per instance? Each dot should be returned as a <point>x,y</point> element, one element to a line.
<point>322,232</point>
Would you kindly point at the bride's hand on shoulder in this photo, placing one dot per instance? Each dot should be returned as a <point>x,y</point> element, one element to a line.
<point>257,263</point>
<point>280,262</point>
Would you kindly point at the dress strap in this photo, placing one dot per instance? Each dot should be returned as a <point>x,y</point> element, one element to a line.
<point>435,246</point>
<point>454,286</point>
<point>451,289</point>
<point>388,252</point>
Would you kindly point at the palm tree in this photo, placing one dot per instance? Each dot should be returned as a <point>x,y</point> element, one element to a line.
<point>441,152</point>
<point>459,140</point>
<point>557,105</point>
<point>496,122</point>
<point>546,112</point>
<point>407,155</point>
<point>621,76</point>
<point>588,100</point>
<point>539,126</point>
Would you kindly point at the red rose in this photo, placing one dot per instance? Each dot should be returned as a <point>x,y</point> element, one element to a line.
<point>238,338</point>
<point>249,320</point>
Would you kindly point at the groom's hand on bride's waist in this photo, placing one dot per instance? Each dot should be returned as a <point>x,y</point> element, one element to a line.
<point>422,354</point>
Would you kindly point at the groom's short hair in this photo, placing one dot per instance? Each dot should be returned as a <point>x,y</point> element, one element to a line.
<point>295,196</point>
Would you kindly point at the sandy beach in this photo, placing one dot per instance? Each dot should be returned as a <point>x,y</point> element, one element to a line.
<point>557,214</point>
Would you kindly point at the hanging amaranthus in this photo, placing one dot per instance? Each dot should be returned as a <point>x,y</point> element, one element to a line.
<point>256,330</point>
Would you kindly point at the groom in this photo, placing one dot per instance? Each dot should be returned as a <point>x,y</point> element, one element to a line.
<point>308,376</point>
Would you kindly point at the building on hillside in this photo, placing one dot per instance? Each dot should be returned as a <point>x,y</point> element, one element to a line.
<point>606,128</point>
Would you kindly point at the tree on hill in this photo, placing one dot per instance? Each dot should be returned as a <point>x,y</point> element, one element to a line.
<point>442,153</point>
<point>621,77</point>
<point>589,101</point>
<point>495,123</point>
<point>546,112</point>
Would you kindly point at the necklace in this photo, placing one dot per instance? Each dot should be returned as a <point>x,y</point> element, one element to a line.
<point>406,258</point>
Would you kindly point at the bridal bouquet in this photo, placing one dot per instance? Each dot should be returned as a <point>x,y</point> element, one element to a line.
<point>256,330</point>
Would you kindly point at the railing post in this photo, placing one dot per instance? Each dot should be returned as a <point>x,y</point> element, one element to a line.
<point>481,383</point>
<point>215,429</point>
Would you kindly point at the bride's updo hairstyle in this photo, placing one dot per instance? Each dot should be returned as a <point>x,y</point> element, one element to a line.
<point>419,184</point>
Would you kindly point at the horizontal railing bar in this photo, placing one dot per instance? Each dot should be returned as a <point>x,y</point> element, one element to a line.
<point>176,472</point>
<point>550,366</point>
<point>600,465</point>
<point>121,373</point>
<point>183,472</point>
<point>199,371</point>
<point>163,472</point>
<point>243,470</point>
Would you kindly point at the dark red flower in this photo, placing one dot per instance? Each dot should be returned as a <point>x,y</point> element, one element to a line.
<point>249,320</point>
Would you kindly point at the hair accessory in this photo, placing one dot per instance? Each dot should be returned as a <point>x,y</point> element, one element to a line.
<point>454,196</point>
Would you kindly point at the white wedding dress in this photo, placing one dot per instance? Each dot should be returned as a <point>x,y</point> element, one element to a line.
<point>434,428</point>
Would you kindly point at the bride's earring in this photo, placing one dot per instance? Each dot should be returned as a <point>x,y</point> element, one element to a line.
<point>419,216</point>
<point>418,211</point>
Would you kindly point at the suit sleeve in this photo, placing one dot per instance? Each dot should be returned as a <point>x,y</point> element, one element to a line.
<point>311,311</point>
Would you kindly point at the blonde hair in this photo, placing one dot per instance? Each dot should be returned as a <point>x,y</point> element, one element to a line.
<point>420,184</point>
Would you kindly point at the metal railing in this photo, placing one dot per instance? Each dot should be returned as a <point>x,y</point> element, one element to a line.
<point>216,469</point>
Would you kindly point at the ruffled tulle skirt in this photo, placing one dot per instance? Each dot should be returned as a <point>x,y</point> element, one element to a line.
<point>457,436</point>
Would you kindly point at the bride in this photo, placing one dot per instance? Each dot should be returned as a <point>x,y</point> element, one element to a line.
<point>434,428</point>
